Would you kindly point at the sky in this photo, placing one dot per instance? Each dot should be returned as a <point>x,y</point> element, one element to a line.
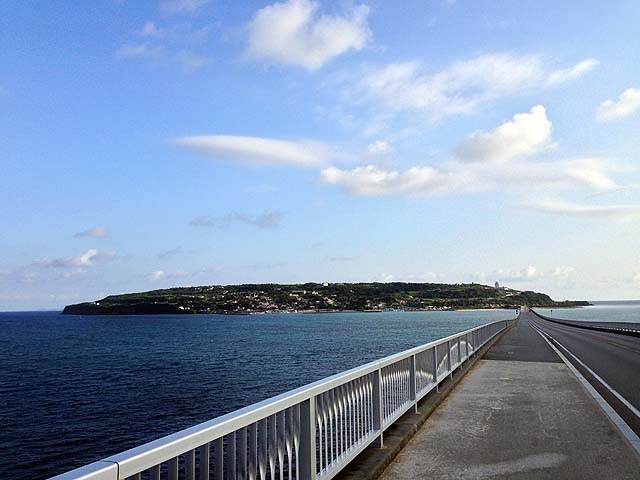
<point>150,144</point>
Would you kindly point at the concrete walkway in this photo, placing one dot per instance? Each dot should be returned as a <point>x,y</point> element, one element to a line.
<point>519,414</point>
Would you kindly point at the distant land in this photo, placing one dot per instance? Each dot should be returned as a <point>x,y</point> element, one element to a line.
<point>315,298</point>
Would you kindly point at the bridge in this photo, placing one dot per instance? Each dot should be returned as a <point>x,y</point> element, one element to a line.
<point>530,398</point>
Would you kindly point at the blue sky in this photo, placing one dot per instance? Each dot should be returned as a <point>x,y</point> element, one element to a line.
<point>187,142</point>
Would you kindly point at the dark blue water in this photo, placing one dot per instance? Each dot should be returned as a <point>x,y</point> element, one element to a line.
<point>76,389</point>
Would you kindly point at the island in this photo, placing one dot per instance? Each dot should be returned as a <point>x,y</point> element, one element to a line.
<point>316,298</point>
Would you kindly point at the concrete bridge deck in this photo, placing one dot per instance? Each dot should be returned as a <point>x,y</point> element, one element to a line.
<point>519,414</point>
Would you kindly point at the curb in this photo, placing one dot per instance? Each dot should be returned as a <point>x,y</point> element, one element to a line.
<point>370,464</point>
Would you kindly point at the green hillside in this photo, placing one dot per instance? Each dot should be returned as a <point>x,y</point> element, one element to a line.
<point>314,297</point>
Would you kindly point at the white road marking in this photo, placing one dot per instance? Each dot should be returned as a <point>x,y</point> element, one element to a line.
<point>624,428</point>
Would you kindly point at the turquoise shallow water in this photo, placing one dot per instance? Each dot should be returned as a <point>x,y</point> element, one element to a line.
<point>76,389</point>
<point>623,311</point>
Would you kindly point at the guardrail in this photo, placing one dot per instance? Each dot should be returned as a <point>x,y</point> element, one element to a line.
<point>310,433</point>
<point>633,332</point>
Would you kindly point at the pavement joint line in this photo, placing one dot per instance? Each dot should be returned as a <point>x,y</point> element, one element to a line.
<point>624,428</point>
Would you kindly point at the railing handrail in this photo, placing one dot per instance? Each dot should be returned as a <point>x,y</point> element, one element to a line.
<point>156,451</point>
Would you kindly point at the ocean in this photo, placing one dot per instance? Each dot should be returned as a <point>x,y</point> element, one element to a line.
<point>613,311</point>
<point>76,389</point>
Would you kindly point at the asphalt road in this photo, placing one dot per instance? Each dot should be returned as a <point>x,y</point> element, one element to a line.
<point>613,357</point>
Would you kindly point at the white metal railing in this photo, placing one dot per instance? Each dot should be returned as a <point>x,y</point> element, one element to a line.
<point>308,433</point>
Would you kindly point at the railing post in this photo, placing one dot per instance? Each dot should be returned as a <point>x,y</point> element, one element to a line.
<point>378,406</point>
<point>412,383</point>
<point>189,465</point>
<point>218,456</point>
<point>466,343</point>
<point>435,367</point>
<point>204,460</point>
<point>172,467</point>
<point>307,461</point>
<point>449,359</point>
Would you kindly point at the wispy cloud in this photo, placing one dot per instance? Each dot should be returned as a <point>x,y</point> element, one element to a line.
<point>379,147</point>
<point>183,276</point>
<point>627,104</point>
<point>463,86</point>
<point>558,207</point>
<point>162,275</point>
<point>257,267</point>
<point>142,50</point>
<point>456,177</point>
<point>157,275</point>
<point>88,259</point>
<point>343,258</point>
<point>150,29</point>
<point>529,273</point>
<point>169,42</point>
<point>258,150</point>
<point>567,74</point>
<point>190,61</point>
<point>182,6</point>
<point>294,33</point>
<point>407,277</point>
<point>266,220</point>
<point>95,232</point>
<point>170,253</point>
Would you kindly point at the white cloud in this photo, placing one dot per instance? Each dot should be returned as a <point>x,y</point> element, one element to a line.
<point>627,104</point>
<point>463,86</point>
<point>266,220</point>
<point>456,177</point>
<point>257,150</point>
<point>379,147</point>
<point>523,136</point>
<point>95,232</point>
<point>293,33</point>
<point>90,258</point>
<point>499,162</point>
<point>557,207</point>
<point>376,181</point>
<point>181,6</point>
<point>566,74</point>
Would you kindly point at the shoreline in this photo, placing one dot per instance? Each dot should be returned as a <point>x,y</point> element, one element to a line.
<point>300,312</point>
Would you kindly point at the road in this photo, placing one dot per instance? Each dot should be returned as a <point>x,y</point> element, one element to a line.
<point>520,413</point>
<point>614,357</point>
